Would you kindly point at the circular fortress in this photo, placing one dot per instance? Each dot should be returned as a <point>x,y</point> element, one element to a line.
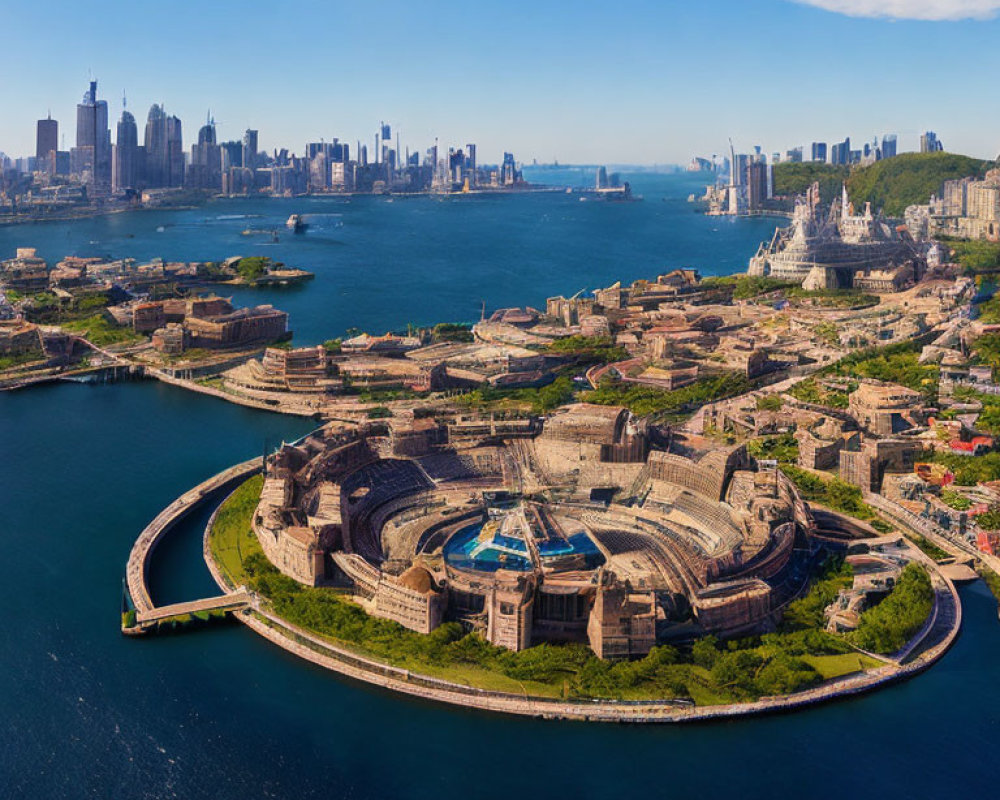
<point>586,526</point>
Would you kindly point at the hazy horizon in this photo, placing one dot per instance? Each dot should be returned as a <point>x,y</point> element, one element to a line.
<point>636,83</point>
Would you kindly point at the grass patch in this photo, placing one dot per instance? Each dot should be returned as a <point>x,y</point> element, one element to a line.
<point>928,547</point>
<point>19,359</point>
<point>232,540</point>
<point>99,331</point>
<point>710,672</point>
<point>836,666</point>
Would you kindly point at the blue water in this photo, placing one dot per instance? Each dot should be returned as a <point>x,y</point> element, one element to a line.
<point>380,265</point>
<point>576,543</point>
<point>222,714</point>
<point>458,552</point>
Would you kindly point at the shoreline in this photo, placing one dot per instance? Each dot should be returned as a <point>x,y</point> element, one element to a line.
<point>350,664</point>
<point>190,204</point>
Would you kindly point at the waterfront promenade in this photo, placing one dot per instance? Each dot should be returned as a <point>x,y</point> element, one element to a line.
<point>926,647</point>
<point>139,558</point>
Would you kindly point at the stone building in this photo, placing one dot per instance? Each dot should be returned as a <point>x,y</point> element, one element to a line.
<point>237,328</point>
<point>426,527</point>
<point>885,408</point>
<point>622,624</point>
<point>18,337</point>
<point>413,600</point>
<point>570,311</point>
<point>865,466</point>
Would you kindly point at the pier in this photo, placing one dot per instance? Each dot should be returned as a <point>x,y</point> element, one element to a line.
<point>147,613</point>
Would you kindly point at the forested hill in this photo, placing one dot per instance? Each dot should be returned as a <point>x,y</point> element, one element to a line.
<point>909,179</point>
<point>890,185</point>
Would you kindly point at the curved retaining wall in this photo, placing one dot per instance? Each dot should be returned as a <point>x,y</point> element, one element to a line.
<point>341,660</point>
<point>138,560</point>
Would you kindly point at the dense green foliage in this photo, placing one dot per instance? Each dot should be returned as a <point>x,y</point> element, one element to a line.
<point>987,347</point>
<point>597,349</point>
<point>798,656</point>
<point>643,400</point>
<point>908,179</point>
<point>835,494</point>
<point>889,625</point>
<point>927,546</point>
<point>955,500</point>
<point>253,267</point>
<point>99,331</point>
<point>990,520</point>
<point>968,470</point>
<point>540,400</point>
<point>827,332</point>
<point>17,359</point>
<point>806,614</point>
<point>452,332</point>
<point>810,391</point>
<point>991,579</point>
<point>895,363</point>
<point>770,402</point>
<point>332,346</point>
<point>746,287</point>
<point>783,448</point>
<point>974,255</point>
<point>794,178</point>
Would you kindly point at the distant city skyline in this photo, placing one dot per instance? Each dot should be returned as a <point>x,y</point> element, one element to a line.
<point>636,83</point>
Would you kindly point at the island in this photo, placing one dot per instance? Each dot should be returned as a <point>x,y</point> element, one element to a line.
<point>677,499</point>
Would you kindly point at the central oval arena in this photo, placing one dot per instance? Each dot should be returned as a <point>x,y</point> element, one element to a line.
<point>588,526</point>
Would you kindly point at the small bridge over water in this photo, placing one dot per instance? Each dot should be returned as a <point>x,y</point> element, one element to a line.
<point>234,601</point>
<point>147,613</point>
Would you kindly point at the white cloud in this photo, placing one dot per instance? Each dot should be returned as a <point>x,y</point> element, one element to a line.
<point>911,9</point>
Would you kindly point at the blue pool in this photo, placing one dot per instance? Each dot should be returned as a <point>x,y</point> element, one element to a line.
<point>465,551</point>
<point>577,543</point>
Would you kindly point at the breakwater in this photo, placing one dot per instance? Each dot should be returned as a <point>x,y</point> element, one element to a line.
<point>929,644</point>
<point>137,566</point>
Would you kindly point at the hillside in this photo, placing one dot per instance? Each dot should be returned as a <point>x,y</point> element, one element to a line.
<point>794,178</point>
<point>908,179</point>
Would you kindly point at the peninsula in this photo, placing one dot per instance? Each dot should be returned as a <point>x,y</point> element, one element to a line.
<point>675,500</point>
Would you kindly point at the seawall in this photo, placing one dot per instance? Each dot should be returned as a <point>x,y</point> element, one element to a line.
<point>353,665</point>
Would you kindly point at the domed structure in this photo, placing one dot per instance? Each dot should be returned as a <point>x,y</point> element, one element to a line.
<point>418,579</point>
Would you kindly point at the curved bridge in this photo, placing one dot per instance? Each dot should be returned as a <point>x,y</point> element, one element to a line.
<point>147,613</point>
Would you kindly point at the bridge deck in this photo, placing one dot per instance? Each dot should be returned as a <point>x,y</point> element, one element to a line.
<point>227,602</point>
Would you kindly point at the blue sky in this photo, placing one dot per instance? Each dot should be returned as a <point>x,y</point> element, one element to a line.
<point>626,81</point>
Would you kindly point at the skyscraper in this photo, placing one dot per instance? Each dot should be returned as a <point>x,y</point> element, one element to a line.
<point>756,181</point>
<point>175,152</point>
<point>46,140</point>
<point>164,149</point>
<point>93,142</point>
<point>125,171</point>
<point>205,169</point>
<point>929,143</point>
<point>841,153</point>
<point>889,145</point>
<point>819,151</point>
<point>156,147</point>
<point>250,149</point>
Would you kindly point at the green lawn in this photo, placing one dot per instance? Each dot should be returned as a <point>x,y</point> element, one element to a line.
<point>97,330</point>
<point>838,665</point>
<point>710,673</point>
<point>232,540</point>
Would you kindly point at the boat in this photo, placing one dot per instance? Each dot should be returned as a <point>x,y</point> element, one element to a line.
<point>296,223</point>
